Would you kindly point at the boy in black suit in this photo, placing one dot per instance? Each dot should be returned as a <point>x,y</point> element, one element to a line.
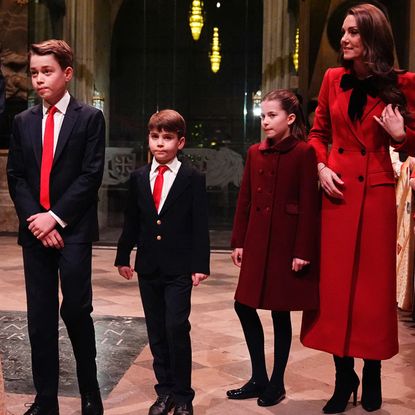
<point>166,218</point>
<point>54,170</point>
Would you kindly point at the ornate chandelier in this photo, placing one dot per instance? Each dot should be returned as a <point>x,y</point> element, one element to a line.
<point>214,55</point>
<point>196,18</point>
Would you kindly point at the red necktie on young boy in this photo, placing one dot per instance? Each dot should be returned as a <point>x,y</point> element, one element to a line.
<point>158,185</point>
<point>47,159</point>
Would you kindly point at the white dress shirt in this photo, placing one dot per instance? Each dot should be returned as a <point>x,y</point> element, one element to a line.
<point>168,177</point>
<point>61,106</point>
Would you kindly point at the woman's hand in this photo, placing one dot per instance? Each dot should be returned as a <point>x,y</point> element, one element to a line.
<point>298,264</point>
<point>236,256</point>
<point>330,182</point>
<point>392,122</point>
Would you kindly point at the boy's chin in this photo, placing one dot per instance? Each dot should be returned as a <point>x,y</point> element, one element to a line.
<point>163,160</point>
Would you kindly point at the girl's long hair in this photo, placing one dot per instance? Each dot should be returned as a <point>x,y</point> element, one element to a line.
<point>378,44</point>
<point>291,105</point>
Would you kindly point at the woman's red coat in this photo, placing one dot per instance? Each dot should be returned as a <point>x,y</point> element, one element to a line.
<point>357,314</point>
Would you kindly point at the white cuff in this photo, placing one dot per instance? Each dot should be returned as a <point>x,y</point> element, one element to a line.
<point>58,219</point>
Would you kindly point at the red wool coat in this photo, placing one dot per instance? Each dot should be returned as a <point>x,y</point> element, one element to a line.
<point>275,221</point>
<point>357,314</point>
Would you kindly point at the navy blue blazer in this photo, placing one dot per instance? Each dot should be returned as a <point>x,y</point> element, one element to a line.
<point>175,241</point>
<point>76,174</point>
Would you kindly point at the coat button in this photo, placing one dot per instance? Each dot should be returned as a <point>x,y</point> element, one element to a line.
<point>341,150</point>
<point>363,151</point>
<point>259,189</point>
<point>268,209</point>
<point>158,237</point>
<point>360,178</point>
<point>158,222</point>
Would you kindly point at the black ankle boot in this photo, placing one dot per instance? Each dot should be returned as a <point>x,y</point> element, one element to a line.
<point>347,382</point>
<point>371,386</point>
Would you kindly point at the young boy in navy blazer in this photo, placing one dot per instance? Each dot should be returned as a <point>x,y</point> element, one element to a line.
<point>166,218</point>
<point>54,170</point>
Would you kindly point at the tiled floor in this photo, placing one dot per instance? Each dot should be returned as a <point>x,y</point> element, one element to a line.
<point>219,353</point>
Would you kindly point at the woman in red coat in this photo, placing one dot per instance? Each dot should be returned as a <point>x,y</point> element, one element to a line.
<point>363,108</point>
<point>274,240</point>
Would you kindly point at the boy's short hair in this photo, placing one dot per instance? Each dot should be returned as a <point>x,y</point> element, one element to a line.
<point>168,120</point>
<point>58,48</point>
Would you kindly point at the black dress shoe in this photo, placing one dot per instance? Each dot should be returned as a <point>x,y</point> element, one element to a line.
<point>91,403</point>
<point>183,409</point>
<point>162,405</point>
<point>271,396</point>
<point>249,390</point>
<point>41,409</point>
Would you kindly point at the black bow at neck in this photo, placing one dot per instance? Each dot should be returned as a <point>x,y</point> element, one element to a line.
<point>358,99</point>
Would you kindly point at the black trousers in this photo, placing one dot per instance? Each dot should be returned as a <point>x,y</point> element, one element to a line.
<point>43,267</point>
<point>166,303</point>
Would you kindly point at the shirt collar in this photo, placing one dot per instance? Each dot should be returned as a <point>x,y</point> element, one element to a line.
<point>173,165</point>
<point>61,105</point>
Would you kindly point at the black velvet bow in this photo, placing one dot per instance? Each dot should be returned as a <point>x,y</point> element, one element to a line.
<point>358,99</point>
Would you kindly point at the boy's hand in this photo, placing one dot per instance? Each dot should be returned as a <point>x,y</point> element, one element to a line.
<point>53,240</point>
<point>236,256</point>
<point>299,264</point>
<point>197,278</point>
<point>126,272</point>
<point>41,224</point>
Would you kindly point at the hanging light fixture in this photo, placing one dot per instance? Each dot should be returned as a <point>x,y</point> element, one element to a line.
<point>296,53</point>
<point>214,55</point>
<point>196,20</point>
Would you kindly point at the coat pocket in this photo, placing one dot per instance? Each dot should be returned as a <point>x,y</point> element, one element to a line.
<point>381,178</point>
<point>291,208</point>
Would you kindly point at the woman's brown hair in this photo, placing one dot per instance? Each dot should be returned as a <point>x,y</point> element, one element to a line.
<point>379,47</point>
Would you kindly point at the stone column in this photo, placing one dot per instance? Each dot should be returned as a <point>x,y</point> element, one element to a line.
<point>276,47</point>
<point>8,217</point>
<point>79,31</point>
<point>87,28</point>
<point>2,395</point>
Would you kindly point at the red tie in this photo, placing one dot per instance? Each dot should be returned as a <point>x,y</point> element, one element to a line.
<point>158,186</point>
<point>47,159</point>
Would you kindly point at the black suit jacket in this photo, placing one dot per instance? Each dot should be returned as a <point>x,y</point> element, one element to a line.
<point>76,175</point>
<point>174,242</point>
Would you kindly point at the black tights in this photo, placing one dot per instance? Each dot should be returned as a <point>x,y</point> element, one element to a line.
<point>254,336</point>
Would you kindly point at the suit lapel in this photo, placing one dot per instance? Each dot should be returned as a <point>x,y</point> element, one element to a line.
<point>344,98</point>
<point>372,103</point>
<point>179,185</point>
<point>36,132</point>
<point>69,121</point>
<point>145,189</point>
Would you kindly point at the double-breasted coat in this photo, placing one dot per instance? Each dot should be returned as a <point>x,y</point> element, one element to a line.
<point>357,315</point>
<point>276,220</point>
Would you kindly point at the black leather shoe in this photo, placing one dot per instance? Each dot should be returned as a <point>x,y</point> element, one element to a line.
<point>249,390</point>
<point>183,409</point>
<point>162,406</point>
<point>39,409</point>
<point>91,403</point>
<point>271,396</point>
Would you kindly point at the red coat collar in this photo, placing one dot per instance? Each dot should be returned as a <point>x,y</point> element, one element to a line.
<point>281,147</point>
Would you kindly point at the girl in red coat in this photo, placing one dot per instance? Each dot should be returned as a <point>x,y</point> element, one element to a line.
<point>274,240</point>
<point>363,108</point>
